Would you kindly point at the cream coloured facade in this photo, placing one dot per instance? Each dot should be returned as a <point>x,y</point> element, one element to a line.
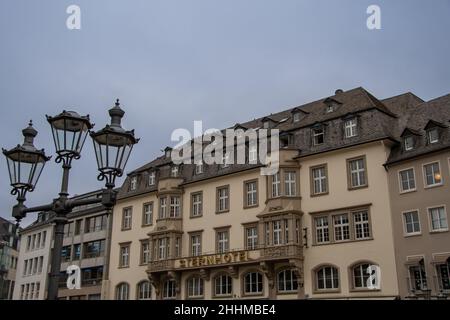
<point>310,231</point>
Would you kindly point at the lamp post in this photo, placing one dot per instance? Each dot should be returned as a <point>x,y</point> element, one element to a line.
<point>112,145</point>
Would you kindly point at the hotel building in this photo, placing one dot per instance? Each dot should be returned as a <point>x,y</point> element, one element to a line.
<point>9,245</point>
<point>310,231</point>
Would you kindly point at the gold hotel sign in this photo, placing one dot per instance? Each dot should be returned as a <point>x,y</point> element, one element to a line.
<point>215,259</point>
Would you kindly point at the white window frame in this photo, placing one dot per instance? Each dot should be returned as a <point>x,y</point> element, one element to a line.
<point>400,183</point>
<point>277,232</point>
<point>144,290</point>
<point>169,286</point>
<point>148,214</point>
<point>251,237</point>
<point>145,249</point>
<point>334,275</point>
<point>358,171</point>
<point>162,214</point>
<point>276,185</point>
<point>199,168</point>
<point>174,171</point>
<point>195,287</point>
<point>424,175</point>
<point>342,226</point>
<point>225,283</point>
<point>405,228</point>
<point>251,193</point>
<point>429,138</point>
<point>406,145</point>
<point>296,117</point>
<point>252,153</point>
<point>152,178</point>
<point>197,204</point>
<point>251,282</point>
<point>320,180</point>
<point>290,183</point>
<point>223,241</point>
<point>321,229</point>
<point>127,218</point>
<point>133,183</point>
<point>362,223</point>
<point>351,127</point>
<point>175,206</point>
<point>223,198</point>
<point>316,134</point>
<point>196,245</point>
<point>125,256</point>
<point>430,219</point>
<point>287,282</point>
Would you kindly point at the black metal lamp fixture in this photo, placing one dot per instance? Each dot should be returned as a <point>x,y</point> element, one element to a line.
<point>113,146</point>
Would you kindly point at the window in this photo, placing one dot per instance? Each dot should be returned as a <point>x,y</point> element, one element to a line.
<point>177,247</point>
<point>197,204</point>
<point>432,173</point>
<point>322,231</point>
<point>195,287</point>
<point>66,253</point>
<point>76,251</point>
<point>443,271</point>
<point>41,264</point>
<point>223,285</point>
<point>296,117</point>
<point>94,249</point>
<point>94,224</point>
<point>151,178</point>
<point>175,207</point>
<point>253,283</point>
<point>360,276</point>
<point>276,192</point>
<point>196,245</point>
<point>318,136</point>
<point>287,281</point>
<point>225,160</point>
<point>251,236</point>
<point>276,234</point>
<point>251,193</point>
<point>145,252</point>
<point>163,208</point>
<point>126,218</point>
<point>163,247</point>
<point>124,256</point>
<point>38,287</point>
<point>199,168</point>
<point>252,154</point>
<point>341,227</point>
<point>68,231</point>
<point>411,220</point>
<point>174,171</point>
<point>438,219</point>
<point>433,135</point>
<point>169,289</point>
<point>361,223</point>
<point>330,107</point>
<point>223,199</point>
<point>407,180</point>
<point>222,241</point>
<point>319,180</point>
<point>290,189</point>
<point>133,183</point>
<point>357,173</point>
<point>351,128</point>
<point>418,277</point>
<point>408,143</point>
<point>327,278</point>
<point>44,236</point>
<point>144,290</point>
<point>122,291</point>
<point>147,214</point>
<point>78,227</point>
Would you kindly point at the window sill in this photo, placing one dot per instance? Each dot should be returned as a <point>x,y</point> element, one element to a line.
<point>408,191</point>
<point>195,217</point>
<point>125,229</point>
<point>412,234</point>
<point>223,211</point>
<point>251,207</point>
<point>356,290</point>
<point>123,267</point>
<point>146,225</point>
<point>358,187</point>
<point>431,186</point>
<point>313,195</point>
<point>326,291</point>
<point>438,231</point>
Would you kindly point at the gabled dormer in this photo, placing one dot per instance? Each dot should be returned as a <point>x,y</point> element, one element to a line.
<point>298,114</point>
<point>167,152</point>
<point>318,133</point>
<point>434,131</point>
<point>134,180</point>
<point>286,139</point>
<point>409,138</point>
<point>268,122</point>
<point>331,105</point>
<point>238,126</point>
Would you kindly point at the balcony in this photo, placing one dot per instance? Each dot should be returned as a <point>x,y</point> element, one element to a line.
<point>161,265</point>
<point>282,252</point>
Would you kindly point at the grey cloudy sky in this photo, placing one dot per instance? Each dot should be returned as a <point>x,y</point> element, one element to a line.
<point>173,62</point>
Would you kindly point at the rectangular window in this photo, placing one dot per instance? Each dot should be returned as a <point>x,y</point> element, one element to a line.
<point>196,245</point>
<point>223,199</point>
<point>432,173</point>
<point>296,117</point>
<point>199,168</point>
<point>251,193</point>
<point>133,183</point>
<point>124,256</point>
<point>177,247</point>
<point>147,214</point>
<point>162,246</point>
<point>174,171</point>
<point>222,241</point>
<point>319,180</point>
<point>438,219</point>
<point>351,128</point>
<point>76,251</point>
<point>162,207</point>
<point>276,192</point>
<point>251,236</point>
<point>267,233</point>
<point>197,204</point>
<point>276,233</point>
<point>357,173</point>
<point>407,180</point>
<point>318,136</point>
<point>408,143</point>
<point>225,160</point>
<point>361,224</point>
<point>252,154</point>
<point>151,178</point>
<point>175,210</point>
<point>411,220</point>
<point>290,185</point>
<point>78,227</point>
<point>145,252</point>
<point>126,218</point>
<point>433,135</point>
<point>322,231</point>
<point>94,249</point>
<point>341,227</point>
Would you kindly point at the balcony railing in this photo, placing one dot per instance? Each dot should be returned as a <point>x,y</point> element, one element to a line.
<point>281,251</point>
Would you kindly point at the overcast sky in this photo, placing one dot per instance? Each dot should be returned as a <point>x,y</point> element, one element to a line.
<point>223,62</point>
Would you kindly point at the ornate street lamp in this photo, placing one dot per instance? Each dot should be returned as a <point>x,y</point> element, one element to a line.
<point>113,146</point>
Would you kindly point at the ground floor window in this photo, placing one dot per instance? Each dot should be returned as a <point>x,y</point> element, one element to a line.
<point>122,291</point>
<point>418,277</point>
<point>169,289</point>
<point>144,290</point>
<point>327,278</point>
<point>195,287</point>
<point>443,271</point>
<point>253,283</point>
<point>360,276</point>
<point>223,285</point>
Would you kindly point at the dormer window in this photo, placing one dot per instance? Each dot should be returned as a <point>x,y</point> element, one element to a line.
<point>151,178</point>
<point>286,140</point>
<point>433,135</point>
<point>296,117</point>
<point>330,108</point>
<point>199,168</point>
<point>266,125</point>
<point>225,160</point>
<point>351,127</point>
<point>408,143</point>
<point>133,183</point>
<point>318,136</point>
<point>174,171</point>
<point>168,152</point>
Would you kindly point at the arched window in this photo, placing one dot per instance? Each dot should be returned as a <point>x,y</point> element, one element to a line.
<point>144,291</point>
<point>443,271</point>
<point>223,285</point>
<point>253,283</point>
<point>327,278</point>
<point>360,275</point>
<point>169,289</point>
<point>122,291</point>
<point>195,287</point>
<point>287,281</point>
